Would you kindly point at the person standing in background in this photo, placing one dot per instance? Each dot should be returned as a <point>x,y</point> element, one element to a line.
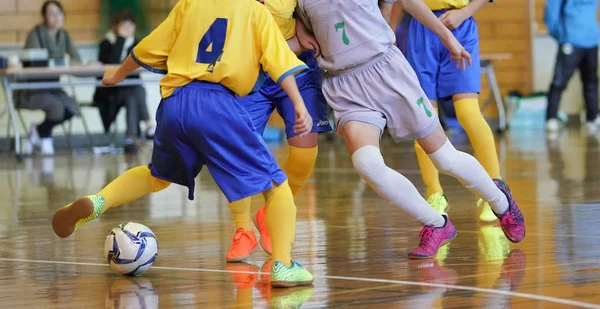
<point>574,25</point>
<point>116,46</point>
<point>55,103</point>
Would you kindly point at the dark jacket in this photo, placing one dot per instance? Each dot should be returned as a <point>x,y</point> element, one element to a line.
<point>110,100</point>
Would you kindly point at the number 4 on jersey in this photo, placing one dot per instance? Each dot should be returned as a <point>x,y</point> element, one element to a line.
<point>211,46</point>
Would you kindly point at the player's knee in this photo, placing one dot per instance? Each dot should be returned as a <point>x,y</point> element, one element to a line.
<point>159,184</point>
<point>445,157</point>
<point>368,162</point>
<point>304,156</point>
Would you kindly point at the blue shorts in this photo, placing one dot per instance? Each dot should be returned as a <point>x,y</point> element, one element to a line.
<point>204,123</point>
<point>260,105</point>
<point>439,77</point>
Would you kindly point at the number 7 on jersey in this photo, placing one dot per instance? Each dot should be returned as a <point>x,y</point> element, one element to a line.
<point>210,48</point>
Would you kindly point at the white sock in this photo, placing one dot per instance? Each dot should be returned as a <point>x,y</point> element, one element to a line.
<point>471,174</point>
<point>393,187</point>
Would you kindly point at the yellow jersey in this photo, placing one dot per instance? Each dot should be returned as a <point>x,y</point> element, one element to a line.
<point>436,5</point>
<point>283,13</point>
<point>228,42</point>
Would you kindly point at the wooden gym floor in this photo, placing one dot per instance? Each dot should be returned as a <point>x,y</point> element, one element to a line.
<point>355,244</point>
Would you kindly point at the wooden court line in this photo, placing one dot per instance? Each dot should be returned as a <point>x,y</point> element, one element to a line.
<point>372,280</point>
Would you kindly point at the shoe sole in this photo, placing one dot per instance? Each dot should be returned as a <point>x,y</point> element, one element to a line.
<point>260,241</point>
<point>288,284</point>
<point>445,242</point>
<point>241,258</point>
<point>65,219</point>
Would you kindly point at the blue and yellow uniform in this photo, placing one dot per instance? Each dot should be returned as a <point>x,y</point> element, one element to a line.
<point>212,52</point>
<point>438,75</point>
<point>262,103</point>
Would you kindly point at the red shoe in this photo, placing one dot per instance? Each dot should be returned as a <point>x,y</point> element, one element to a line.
<point>260,221</point>
<point>245,275</point>
<point>243,244</point>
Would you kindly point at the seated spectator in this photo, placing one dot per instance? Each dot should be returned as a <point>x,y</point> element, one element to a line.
<point>55,103</point>
<point>115,47</point>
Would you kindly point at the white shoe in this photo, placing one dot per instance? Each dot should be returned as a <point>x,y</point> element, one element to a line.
<point>591,127</point>
<point>34,136</point>
<point>552,125</point>
<point>47,146</point>
<point>28,147</point>
<point>150,132</point>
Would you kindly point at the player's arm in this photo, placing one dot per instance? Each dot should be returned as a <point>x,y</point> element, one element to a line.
<point>474,6</point>
<point>396,15</point>
<point>153,51</point>
<point>454,18</point>
<point>281,64</point>
<point>418,10</point>
<point>552,17</point>
<point>115,76</point>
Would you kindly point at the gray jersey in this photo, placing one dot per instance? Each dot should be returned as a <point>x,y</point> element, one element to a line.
<point>349,32</point>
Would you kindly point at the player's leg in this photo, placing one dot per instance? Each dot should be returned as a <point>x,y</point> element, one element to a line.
<point>361,116</point>
<point>244,242</point>
<point>128,187</point>
<point>362,142</point>
<point>132,184</point>
<point>464,88</point>
<point>473,176</point>
<point>243,166</point>
<point>422,52</point>
<point>302,149</point>
<point>431,178</point>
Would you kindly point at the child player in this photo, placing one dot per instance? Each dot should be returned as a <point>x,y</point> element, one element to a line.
<point>441,79</point>
<point>302,148</point>
<point>369,84</point>
<point>201,121</point>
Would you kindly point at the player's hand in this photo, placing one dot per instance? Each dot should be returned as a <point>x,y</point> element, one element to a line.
<point>304,122</point>
<point>111,78</point>
<point>452,19</point>
<point>458,53</point>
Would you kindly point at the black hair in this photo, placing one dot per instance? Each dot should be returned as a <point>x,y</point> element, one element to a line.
<point>122,17</point>
<point>48,3</point>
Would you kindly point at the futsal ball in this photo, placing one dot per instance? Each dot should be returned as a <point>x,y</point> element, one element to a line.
<point>130,248</point>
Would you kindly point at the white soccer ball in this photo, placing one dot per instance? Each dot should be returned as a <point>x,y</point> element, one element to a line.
<point>130,248</point>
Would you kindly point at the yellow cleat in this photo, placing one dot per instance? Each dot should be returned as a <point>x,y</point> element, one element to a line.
<point>439,202</point>
<point>487,215</point>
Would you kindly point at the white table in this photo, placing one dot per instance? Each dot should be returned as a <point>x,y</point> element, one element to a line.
<point>32,78</point>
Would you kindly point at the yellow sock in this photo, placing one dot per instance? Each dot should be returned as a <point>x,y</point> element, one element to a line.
<point>281,221</point>
<point>299,165</point>
<point>480,134</point>
<point>130,186</point>
<point>240,210</point>
<point>430,175</point>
